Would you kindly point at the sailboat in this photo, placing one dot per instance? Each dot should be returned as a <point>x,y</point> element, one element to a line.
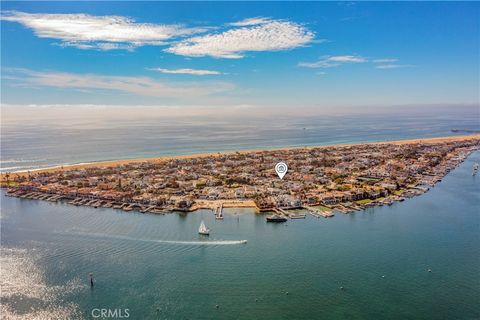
<point>203,229</point>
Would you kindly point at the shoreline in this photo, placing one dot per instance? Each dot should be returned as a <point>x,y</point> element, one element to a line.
<point>320,203</point>
<point>115,163</point>
<point>316,211</point>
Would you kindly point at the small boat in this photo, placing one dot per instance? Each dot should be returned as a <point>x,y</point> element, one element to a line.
<point>475,169</point>
<point>203,229</point>
<point>276,218</point>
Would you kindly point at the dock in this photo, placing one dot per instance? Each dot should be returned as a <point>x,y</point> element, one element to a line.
<point>318,213</point>
<point>93,202</point>
<point>219,212</point>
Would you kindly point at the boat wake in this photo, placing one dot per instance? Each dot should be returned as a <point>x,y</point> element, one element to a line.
<point>179,242</point>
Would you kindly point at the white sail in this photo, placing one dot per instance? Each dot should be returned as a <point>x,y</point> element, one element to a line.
<point>203,228</point>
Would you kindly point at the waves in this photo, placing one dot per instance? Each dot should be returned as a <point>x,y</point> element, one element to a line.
<point>36,146</point>
<point>174,242</point>
<point>201,243</point>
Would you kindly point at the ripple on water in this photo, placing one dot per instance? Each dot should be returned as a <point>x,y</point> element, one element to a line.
<point>173,242</point>
<point>24,293</point>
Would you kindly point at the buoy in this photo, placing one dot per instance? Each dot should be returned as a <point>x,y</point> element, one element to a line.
<point>429,270</point>
<point>217,306</point>
<point>341,288</point>
<point>91,279</point>
<point>286,293</point>
<point>383,276</point>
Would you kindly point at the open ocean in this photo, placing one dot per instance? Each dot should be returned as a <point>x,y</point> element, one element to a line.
<point>37,143</point>
<point>158,268</point>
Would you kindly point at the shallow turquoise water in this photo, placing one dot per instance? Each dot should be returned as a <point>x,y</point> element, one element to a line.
<point>48,250</point>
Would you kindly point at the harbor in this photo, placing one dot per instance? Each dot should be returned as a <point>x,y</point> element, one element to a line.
<point>318,210</point>
<point>358,252</point>
<point>323,181</point>
<point>300,212</point>
<point>244,160</point>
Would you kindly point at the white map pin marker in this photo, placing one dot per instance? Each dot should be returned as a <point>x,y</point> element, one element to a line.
<point>281,169</point>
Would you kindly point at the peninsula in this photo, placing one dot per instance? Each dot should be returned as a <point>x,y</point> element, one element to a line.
<point>322,180</point>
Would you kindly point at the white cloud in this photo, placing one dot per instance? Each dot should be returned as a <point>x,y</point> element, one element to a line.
<point>250,22</point>
<point>270,35</point>
<point>196,72</point>
<point>143,86</point>
<point>333,61</point>
<point>393,66</point>
<point>101,46</point>
<point>344,59</point>
<point>386,60</point>
<point>97,32</point>
<point>89,32</point>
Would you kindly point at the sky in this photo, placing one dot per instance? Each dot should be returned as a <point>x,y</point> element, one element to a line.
<point>241,55</point>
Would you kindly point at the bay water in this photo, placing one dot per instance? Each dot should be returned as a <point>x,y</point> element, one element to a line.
<point>372,264</point>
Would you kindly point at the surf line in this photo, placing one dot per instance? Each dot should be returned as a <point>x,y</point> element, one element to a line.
<point>179,242</point>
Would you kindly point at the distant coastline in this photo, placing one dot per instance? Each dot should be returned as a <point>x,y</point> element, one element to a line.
<point>465,131</point>
<point>114,163</point>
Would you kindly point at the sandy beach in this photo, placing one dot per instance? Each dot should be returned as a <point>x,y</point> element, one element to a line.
<point>114,163</point>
